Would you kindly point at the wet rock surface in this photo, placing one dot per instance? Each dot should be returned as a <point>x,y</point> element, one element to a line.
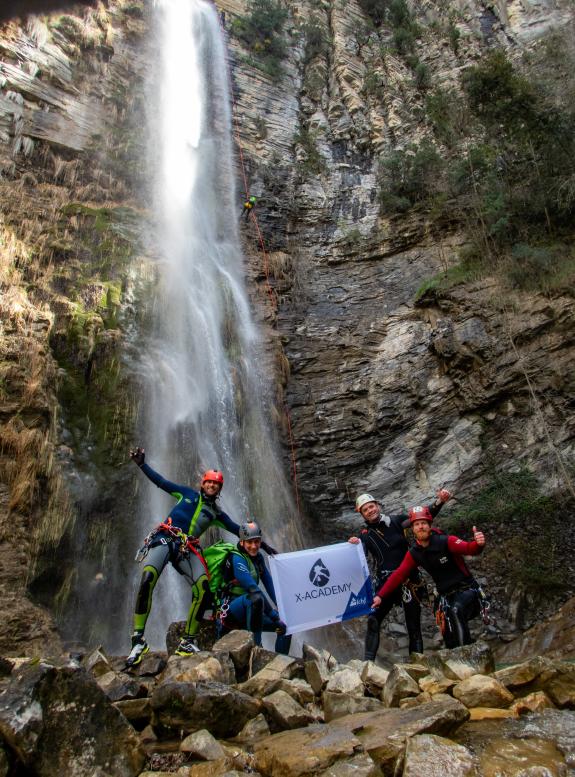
<point>208,728</point>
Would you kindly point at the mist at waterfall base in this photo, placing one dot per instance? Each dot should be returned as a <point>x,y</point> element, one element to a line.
<point>207,404</point>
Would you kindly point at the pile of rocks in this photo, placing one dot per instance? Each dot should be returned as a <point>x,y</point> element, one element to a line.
<point>239,709</point>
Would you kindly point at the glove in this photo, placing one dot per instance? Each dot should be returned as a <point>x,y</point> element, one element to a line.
<point>138,455</point>
<point>443,495</point>
<point>268,549</point>
<point>281,628</point>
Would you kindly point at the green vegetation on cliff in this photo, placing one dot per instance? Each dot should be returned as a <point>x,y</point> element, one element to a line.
<point>261,31</point>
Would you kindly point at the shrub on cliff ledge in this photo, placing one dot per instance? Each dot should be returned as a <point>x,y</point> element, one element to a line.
<point>261,31</point>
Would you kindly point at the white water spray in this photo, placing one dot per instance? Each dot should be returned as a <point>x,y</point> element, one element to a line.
<point>207,405</point>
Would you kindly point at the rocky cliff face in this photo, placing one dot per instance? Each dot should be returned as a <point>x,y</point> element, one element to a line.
<point>69,230</point>
<point>387,390</point>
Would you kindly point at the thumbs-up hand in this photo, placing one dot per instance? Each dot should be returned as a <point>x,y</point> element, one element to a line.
<point>478,536</point>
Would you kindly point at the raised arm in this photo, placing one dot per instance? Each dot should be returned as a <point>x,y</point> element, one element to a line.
<point>462,548</point>
<point>138,456</point>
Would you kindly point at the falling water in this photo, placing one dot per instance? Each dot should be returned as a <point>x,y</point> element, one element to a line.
<point>207,403</point>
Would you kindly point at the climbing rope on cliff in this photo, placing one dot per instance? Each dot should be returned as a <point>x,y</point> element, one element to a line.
<point>250,214</point>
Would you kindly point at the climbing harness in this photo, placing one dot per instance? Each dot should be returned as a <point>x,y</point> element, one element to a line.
<point>442,607</point>
<point>484,604</point>
<point>184,544</point>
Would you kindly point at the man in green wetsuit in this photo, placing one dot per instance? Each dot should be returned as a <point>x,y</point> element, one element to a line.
<point>175,540</point>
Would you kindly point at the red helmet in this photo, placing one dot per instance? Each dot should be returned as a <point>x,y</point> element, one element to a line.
<point>215,475</point>
<point>420,514</point>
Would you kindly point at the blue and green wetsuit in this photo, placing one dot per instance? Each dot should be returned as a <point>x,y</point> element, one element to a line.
<point>193,514</point>
<point>248,607</point>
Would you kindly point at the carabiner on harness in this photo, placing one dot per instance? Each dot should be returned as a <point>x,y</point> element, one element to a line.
<point>406,594</point>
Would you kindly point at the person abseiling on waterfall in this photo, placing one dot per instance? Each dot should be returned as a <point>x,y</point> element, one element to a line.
<point>176,540</point>
<point>249,205</point>
<point>384,542</point>
<point>459,596</point>
<point>243,604</point>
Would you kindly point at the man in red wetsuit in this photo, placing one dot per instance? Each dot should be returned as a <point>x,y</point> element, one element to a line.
<point>441,555</point>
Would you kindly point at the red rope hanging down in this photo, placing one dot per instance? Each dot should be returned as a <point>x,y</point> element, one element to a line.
<point>271,292</point>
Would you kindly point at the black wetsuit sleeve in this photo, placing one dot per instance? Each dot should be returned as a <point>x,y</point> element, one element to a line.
<point>161,482</point>
<point>435,507</point>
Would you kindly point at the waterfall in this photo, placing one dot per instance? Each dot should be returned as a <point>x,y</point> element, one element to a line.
<point>207,403</point>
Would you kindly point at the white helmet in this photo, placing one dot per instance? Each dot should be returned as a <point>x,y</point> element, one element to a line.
<point>362,500</point>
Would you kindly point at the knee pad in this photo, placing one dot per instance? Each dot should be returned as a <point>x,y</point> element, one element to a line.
<point>147,583</point>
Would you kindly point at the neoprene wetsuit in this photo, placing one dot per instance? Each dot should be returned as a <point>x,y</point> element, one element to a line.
<point>385,543</point>
<point>443,560</point>
<point>248,607</point>
<point>193,514</point>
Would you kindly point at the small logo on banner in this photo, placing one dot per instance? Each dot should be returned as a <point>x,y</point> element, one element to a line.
<point>319,574</point>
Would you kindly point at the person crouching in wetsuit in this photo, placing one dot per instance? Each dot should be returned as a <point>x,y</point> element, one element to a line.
<point>441,555</point>
<point>244,605</point>
<point>175,541</point>
<point>384,542</point>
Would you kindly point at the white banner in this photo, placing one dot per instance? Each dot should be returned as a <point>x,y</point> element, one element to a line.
<point>318,586</point>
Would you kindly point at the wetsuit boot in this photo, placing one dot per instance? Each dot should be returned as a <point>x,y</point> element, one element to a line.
<point>139,648</point>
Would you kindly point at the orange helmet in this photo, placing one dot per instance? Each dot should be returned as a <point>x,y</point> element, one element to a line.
<point>420,514</point>
<point>215,475</point>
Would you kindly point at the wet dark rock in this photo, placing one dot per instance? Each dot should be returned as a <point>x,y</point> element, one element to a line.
<point>6,667</point>
<point>58,721</point>
<point>118,687</point>
<point>187,707</point>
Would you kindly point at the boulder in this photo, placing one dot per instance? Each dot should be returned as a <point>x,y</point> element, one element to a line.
<point>345,680</point>
<point>282,667</point>
<point>481,691</point>
<point>259,658</point>
<point>533,702</point>
<point>521,674</point>
<point>491,713</point>
<point>97,663</point>
<point>203,745</point>
<point>336,705</point>
<point>205,637</point>
<point>415,701</point>
<point>383,734</point>
<point>355,664</point>
<point>399,685</point>
<point>432,685</point>
<point>150,665</point>
<point>221,709</point>
<point>303,751</point>
<point>238,645</point>
<point>462,662</point>
<point>415,671</point>
<point>312,653</point>
<point>298,689</point>
<point>285,712</point>
<point>374,678</point>
<point>59,722</point>
<point>317,674</point>
<point>118,687</point>
<point>561,689</point>
<point>137,711</point>
<point>202,667</point>
<point>4,762</point>
<point>255,729</point>
<point>433,756</point>
<point>361,765</point>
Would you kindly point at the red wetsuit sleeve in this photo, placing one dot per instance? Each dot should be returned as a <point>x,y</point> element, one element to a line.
<point>462,548</point>
<point>399,576</point>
